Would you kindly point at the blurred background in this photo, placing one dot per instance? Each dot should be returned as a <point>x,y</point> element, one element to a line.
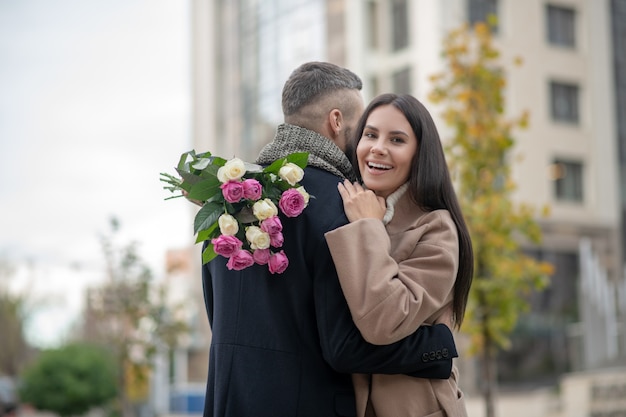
<point>96,99</point>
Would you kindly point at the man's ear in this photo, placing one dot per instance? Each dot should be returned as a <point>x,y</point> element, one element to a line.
<point>335,121</point>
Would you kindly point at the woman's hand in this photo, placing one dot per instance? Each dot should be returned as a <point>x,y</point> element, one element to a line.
<point>359,203</point>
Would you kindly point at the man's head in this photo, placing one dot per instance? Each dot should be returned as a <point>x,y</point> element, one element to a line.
<point>325,98</point>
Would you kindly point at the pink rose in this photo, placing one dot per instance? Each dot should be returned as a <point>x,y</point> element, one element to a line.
<point>226,245</point>
<point>277,239</point>
<point>292,203</point>
<point>261,256</point>
<point>278,263</point>
<point>240,260</point>
<point>252,189</point>
<point>232,191</point>
<point>272,225</point>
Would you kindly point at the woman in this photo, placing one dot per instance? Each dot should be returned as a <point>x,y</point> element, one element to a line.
<point>405,258</point>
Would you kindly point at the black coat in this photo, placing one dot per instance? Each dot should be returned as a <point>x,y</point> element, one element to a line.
<point>284,345</point>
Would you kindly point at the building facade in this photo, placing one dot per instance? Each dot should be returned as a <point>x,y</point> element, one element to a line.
<point>571,158</point>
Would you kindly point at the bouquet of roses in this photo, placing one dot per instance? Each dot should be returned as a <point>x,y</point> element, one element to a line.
<point>240,203</point>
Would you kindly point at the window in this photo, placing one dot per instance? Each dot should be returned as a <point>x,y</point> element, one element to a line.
<point>401,81</point>
<point>400,24</point>
<point>479,11</point>
<point>371,28</point>
<point>564,102</point>
<point>561,26</point>
<point>568,180</point>
<point>375,86</point>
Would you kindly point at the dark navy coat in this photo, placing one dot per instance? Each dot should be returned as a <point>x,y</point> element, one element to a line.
<point>284,345</point>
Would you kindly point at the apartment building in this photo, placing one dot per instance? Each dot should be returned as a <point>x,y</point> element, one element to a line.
<point>571,158</point>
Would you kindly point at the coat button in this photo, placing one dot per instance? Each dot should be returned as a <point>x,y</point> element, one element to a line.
<point>444,352</point>
<point>425,357</point>
<point>432,355</point>
<point>438,354</point>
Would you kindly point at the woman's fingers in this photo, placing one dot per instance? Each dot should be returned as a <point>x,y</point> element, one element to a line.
<point>360,203</point>
<point>350,188</point>
<point>343,191</point>
<point>357,187</point>
<point>346,189</point>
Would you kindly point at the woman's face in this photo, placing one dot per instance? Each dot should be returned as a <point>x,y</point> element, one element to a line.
<point>386,150</point>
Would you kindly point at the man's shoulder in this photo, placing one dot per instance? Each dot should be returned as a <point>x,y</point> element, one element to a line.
<point>313,170</point>
<point>319,177</point>
<point>325,205</point>
<point>322,184</point>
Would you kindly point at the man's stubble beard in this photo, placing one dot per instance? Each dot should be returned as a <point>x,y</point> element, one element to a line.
<point>349,145</point>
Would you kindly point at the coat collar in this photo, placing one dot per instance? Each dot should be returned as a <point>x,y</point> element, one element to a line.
<point>391,201</point>
<point>403,213</point>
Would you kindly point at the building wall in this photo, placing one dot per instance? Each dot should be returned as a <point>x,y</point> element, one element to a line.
<point>245,50</point>
<point>592,141</point>
<point>522,34</point>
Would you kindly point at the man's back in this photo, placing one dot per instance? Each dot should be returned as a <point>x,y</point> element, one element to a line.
<point>266,354</point>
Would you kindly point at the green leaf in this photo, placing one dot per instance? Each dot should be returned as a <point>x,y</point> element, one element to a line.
<point>209,171</point>
<point>202,163</point>
<point>206,216</point>
<point>205,189</point>
<point>275,166</point>
<point>219,162</point>
<point>299,158</point>
<point>188,178</point>
<point>182,161</point>
<point>207,234</point>
<point>208,255</point>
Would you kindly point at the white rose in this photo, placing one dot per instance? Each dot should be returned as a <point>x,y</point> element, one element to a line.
<point>228,225</point>
<point>232,170</point>
<point>258,238</point>
<point>291,173</point>
<point>264,209</point>
<point>306,195</point>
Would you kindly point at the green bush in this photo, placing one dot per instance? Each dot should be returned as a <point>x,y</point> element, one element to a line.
<point>70,380</point>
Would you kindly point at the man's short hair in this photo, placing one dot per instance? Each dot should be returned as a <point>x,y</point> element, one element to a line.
<point>311,81</point>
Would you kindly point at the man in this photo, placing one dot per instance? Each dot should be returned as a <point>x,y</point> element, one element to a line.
<point>285,345</point>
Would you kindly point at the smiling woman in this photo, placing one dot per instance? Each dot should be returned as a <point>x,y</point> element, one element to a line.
<point>405,259</point>
<point>86,87</point>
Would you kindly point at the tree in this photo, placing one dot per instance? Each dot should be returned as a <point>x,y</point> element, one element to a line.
<point>470,90</point>
<point>69,380</point>
<point>13,311</point>
<point>130,315</point>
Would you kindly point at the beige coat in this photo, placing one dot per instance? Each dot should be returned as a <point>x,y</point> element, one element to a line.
<point>395,278</point>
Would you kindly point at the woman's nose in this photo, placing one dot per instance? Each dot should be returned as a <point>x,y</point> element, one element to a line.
<point>378,147</point>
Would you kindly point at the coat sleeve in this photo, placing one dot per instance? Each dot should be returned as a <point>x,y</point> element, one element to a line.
<point>390,299</point>
<point>426,352</point>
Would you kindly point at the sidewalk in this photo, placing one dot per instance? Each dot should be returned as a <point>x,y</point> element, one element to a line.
<point>542,402</point>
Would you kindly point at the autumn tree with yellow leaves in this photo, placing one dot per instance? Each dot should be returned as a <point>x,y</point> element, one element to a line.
<point>470,92</point>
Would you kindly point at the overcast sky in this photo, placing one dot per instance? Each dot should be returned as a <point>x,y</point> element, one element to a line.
<point>94,103</point>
